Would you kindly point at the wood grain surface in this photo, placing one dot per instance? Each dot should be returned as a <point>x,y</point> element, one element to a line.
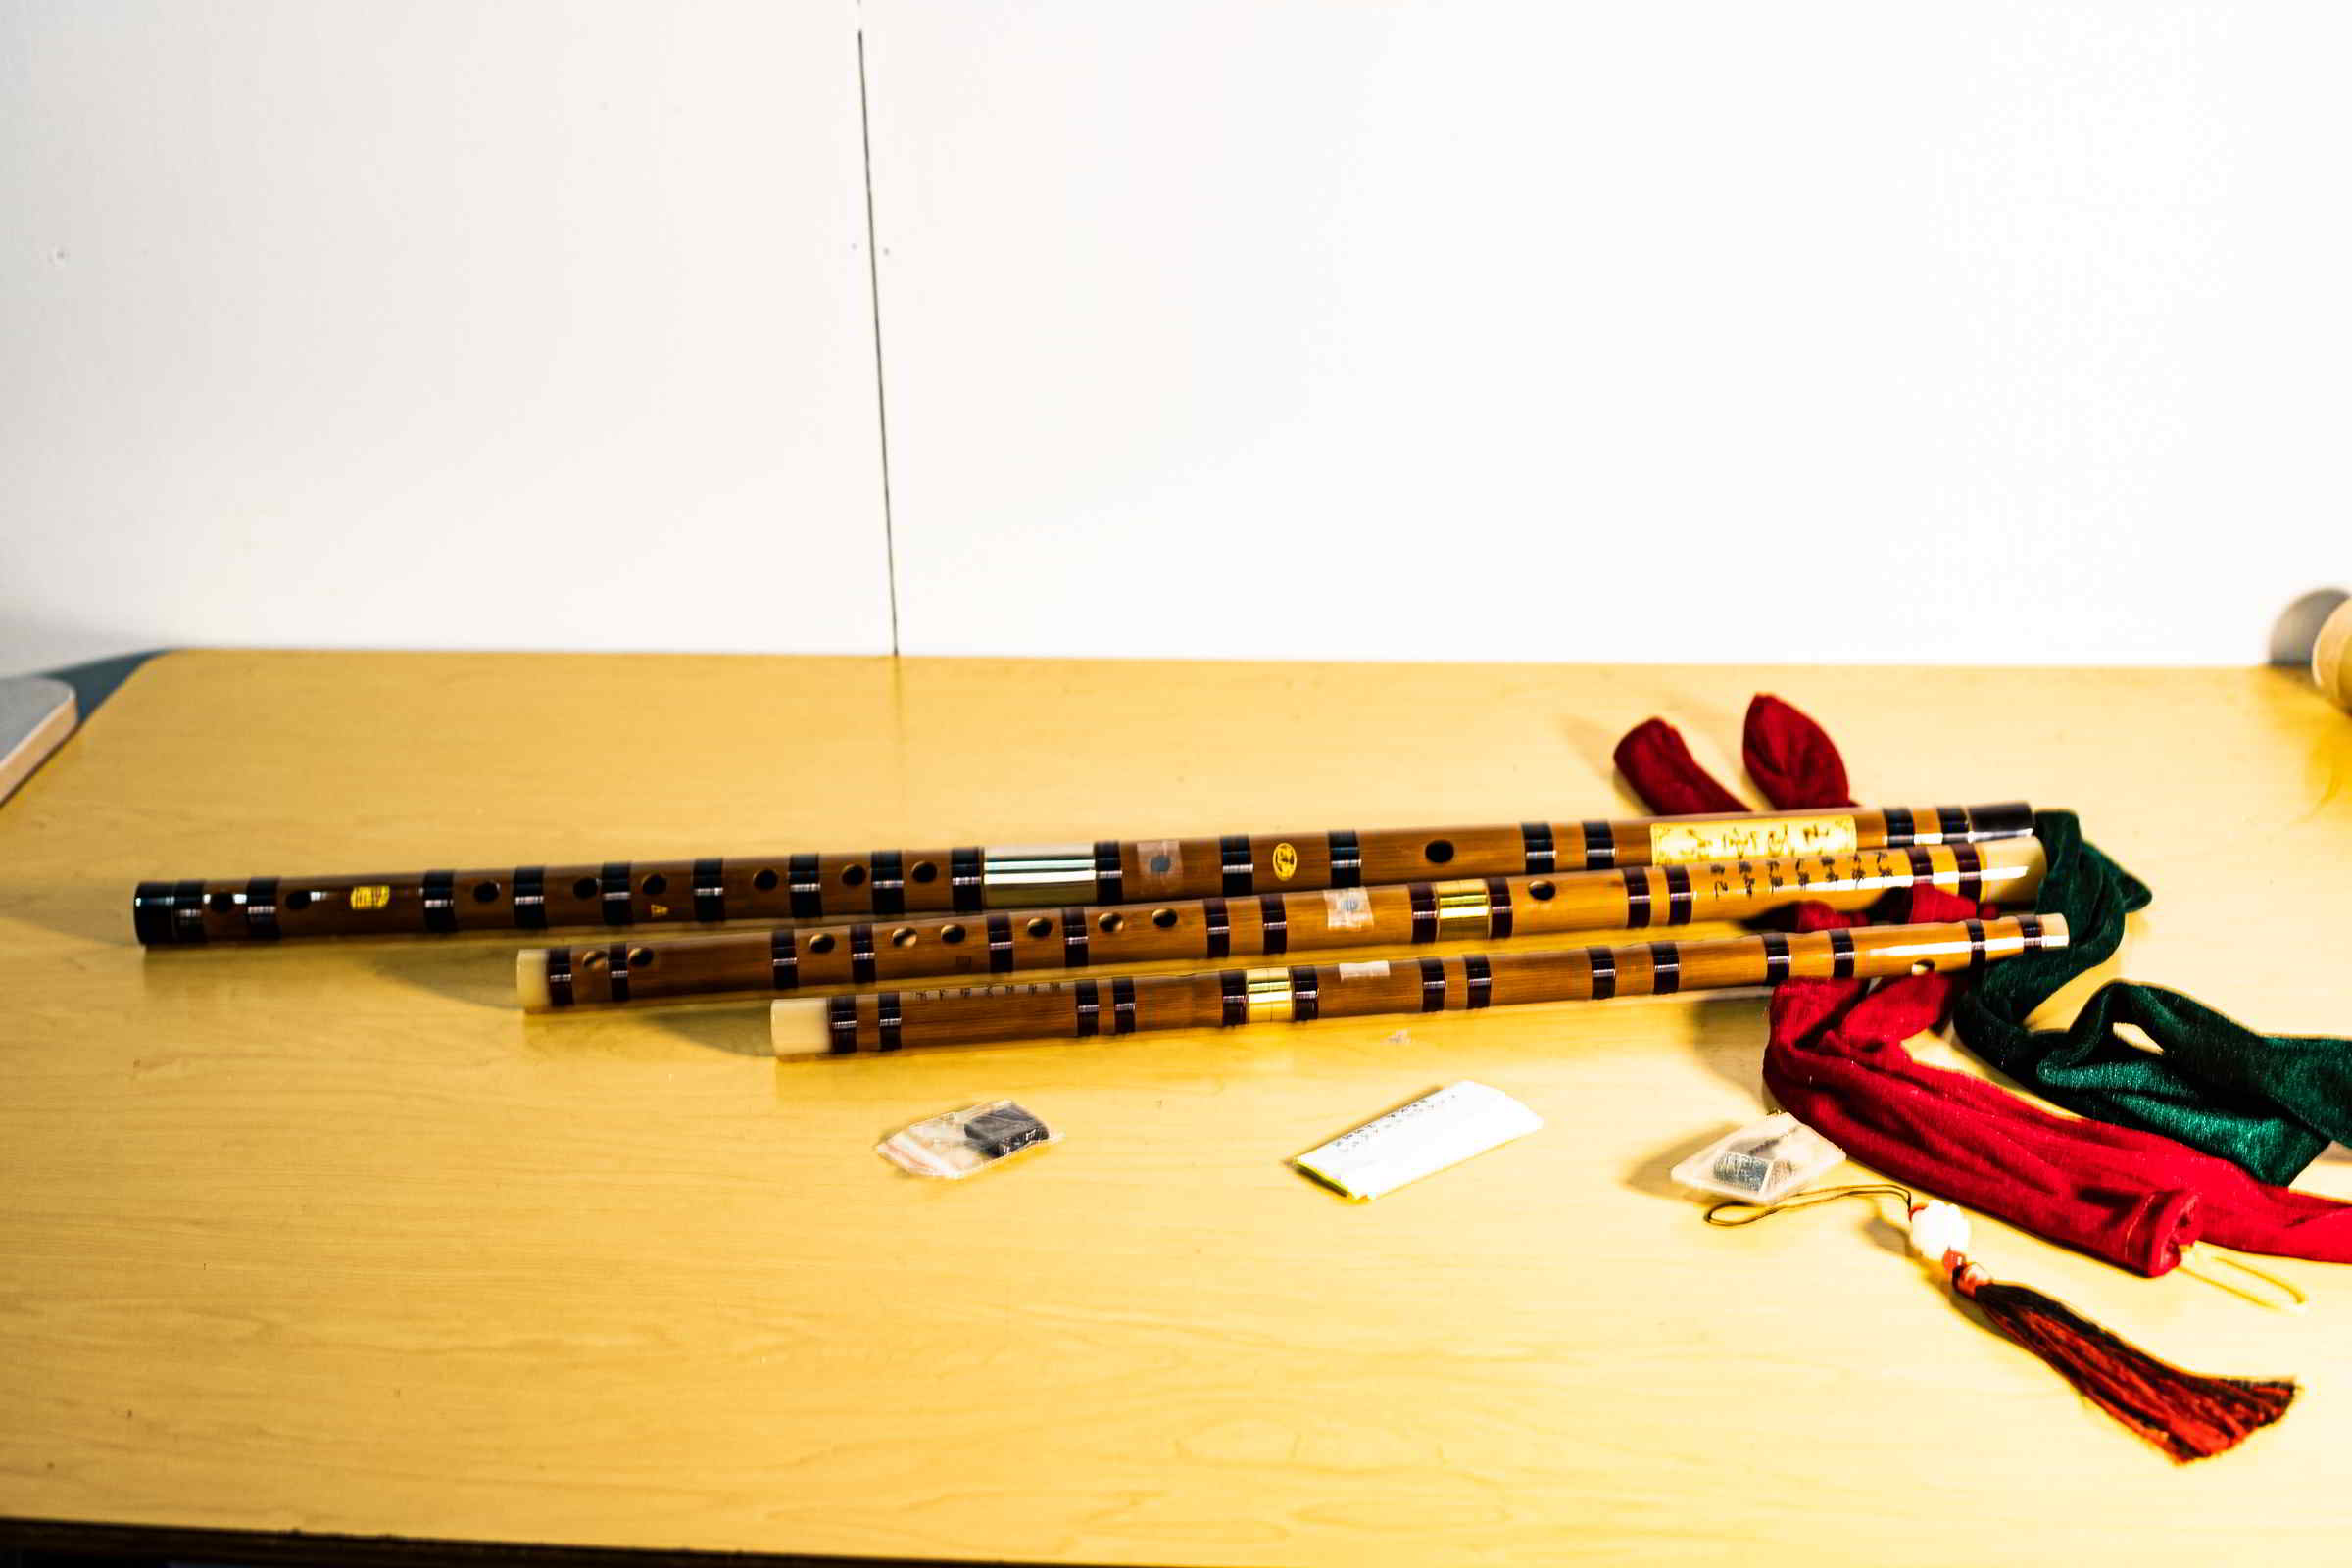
<point>330,1237</point>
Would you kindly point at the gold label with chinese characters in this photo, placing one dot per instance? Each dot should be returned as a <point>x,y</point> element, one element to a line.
<point>1286,860</point>
<point>372,895</point>
<point>1749,839</point>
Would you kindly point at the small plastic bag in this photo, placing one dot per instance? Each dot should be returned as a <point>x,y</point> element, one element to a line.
<point>1762,1163</point>
<point>956,1142</point>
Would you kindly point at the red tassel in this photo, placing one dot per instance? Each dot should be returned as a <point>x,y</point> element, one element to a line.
<point>2188,1415</point>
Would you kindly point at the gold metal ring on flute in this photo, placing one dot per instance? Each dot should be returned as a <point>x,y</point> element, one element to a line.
<point>1268,925</point>
<point>972,879</point>
<point>893,1020</point>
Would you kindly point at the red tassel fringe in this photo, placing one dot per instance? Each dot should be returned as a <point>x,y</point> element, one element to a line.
<point>2188,1415</point>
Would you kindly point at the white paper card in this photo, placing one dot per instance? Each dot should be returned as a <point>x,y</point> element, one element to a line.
<point>1413,1140</point>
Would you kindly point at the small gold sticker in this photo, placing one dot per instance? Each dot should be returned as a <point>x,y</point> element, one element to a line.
<point>373,896</point>
<point>1749,839</point>
<point>658,910</point>
<point>1286,861</point>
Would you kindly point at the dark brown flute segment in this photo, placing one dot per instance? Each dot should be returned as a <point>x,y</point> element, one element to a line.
<point>887,884</point>
<point>1270,925</point>
<point>892,1020</point>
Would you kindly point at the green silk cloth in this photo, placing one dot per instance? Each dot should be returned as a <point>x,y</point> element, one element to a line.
<point>2269,1103</point>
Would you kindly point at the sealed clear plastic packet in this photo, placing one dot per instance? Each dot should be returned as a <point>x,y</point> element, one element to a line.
<point>957,1143</point>
<point>1762,1163</point>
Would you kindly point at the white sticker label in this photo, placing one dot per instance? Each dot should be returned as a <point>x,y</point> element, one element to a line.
<point>1346,908</point>
<point>1430,1134</point>
<point>1376,970</point>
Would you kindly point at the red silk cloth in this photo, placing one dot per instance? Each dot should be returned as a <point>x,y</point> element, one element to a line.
<point>1835,1059</point>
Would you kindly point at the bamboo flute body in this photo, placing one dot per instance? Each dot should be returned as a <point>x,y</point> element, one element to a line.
<point>892,1020</point>
<point>1269,925</point>
<point>970,879</point>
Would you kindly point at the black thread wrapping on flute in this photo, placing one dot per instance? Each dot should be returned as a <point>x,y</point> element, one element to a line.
<point>1665,969</point>
<point>783,963</point>
<point>1110,882</point>
<point>1953,823</point>
<point>1899,833</point>
<point>187,913</point>
<point>1241,870</point>
<point>887,1018</point>
<point>1346,857</point>
<point>1233,991</point>
<point>2011,819</point>
<point>862,954</point>
<point>1600,847</point>
<point>2028,931</point>
<point>1000,943</point>
<point>530,898</point>
<point>616,969</point>
<point>1775,957</point>
<point>1499,908</point>
<point>1975,943</point>
<point>1433,985</point>
<point>440,900</point>
<point>1306,994</point>
<point>1604,972</point>
<point>559,977</point>
<point>1074,939</point>
<point>1480,975</point>
<point>1220,928</point>
<point>1923,862</point>
<point>1841,954</point>
<point>710,890</point>
<point>808,887</point>
<point>1088,994</point>
<point>968,886</point>
<point>1274,924</point>
<point>1637,897</point>
<point>1971,863</point>
<point>614,891</point>
<point>1536,839</point>
<point>1123,1006</point>
<point>1678,895</point>
<point>260,908</point>
<point>1424,898</point>
<point>890,881</point>
<point>841,1025</point>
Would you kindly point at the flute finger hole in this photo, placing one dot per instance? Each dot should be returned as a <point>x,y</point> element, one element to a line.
<point>766,881</point>
<point>640,958</point>
<point>903,937</point>
<point>1540,890</point>
<point>1160,864</point>
<point>657,883</point>
<point>593,959</point>
<point>951,934</point>
<point>1163,918</point>
<point>822,941</point>
<point>1112,922</point>
<point>1923,967</point>
<point>485,891</point>
<point>584,888</point>
<point>852,875</point>
<point>1040,927</point>
<point>924,871</point>
<point>1438,850</point>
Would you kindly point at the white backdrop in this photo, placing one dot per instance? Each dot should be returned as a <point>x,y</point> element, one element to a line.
<point>437,324</point>
<point>1825,330</point>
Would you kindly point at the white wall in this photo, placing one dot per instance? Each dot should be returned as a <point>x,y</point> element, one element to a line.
<point>1710,330</point>
<point>512,325</point>
<point>1827,329</point>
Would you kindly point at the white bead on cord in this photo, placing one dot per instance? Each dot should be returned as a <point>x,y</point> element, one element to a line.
<point>1939,1230</point>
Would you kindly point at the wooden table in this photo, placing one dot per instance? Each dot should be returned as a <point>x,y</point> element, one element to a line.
<point>328,1237</point>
